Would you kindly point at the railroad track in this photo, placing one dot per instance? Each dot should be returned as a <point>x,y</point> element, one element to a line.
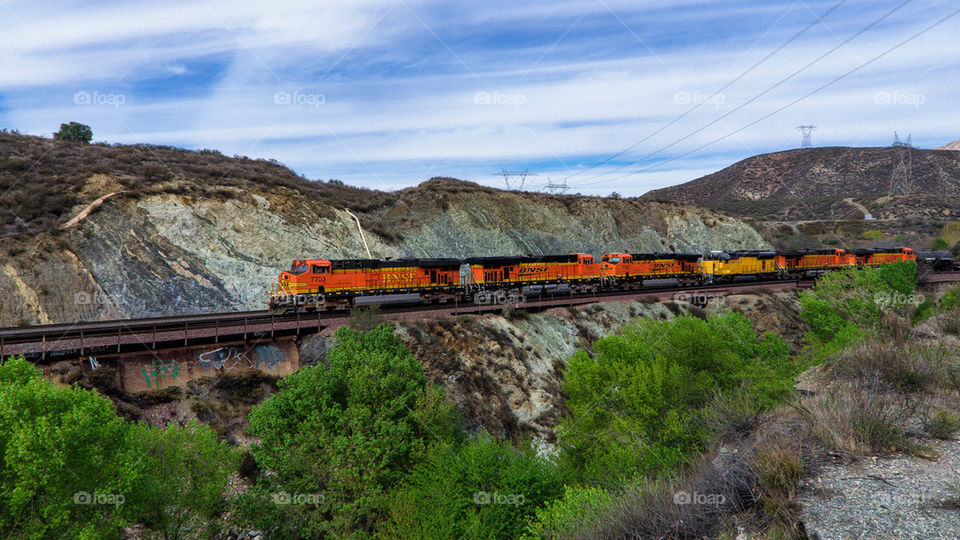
<point>108,338</point>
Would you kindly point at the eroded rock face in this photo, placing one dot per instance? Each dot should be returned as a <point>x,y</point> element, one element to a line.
<point>165,253</point>
<point>505,374</point>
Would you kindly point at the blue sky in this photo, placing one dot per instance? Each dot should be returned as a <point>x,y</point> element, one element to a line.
<point>388,93</point>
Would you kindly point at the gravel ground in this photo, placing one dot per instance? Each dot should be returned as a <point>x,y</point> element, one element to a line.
<point>886,497</point>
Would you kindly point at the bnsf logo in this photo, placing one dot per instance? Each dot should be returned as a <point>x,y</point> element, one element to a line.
<point>662,265</point>
<point>532,270</point>
<point>399,278</point>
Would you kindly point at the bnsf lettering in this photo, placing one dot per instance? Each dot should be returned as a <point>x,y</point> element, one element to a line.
<point>532,270</point>
<point>399,278</point>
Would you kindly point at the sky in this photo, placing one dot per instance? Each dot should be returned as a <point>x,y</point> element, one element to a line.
<point>605,95</point>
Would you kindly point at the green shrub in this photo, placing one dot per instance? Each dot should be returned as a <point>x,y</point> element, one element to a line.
<point>564,517</point>
<point>481,489</point>
<point>939,244</point>
<point>845,306</point>
<point>344,433</point>
<point>634,405</point>
<point>73,468</point>
<point>188,472</point>
<point>942,425</point>
<point>951,299</point>
<point>924,311</point>
<point>74,132</point>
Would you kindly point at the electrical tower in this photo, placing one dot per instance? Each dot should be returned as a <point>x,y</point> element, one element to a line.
<point>507,174</point>
<point>902,176</point>
<point>556,188</point>
<point>807,131</point>
<point>897,143</point>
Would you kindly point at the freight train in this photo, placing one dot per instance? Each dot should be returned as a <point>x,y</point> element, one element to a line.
<point>322,284</point>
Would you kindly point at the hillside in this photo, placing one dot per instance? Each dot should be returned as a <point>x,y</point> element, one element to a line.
<point>955,145</point>
<point>147,230</point>
<point>820,196</point>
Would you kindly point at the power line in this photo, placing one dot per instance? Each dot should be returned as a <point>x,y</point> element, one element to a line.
<point>719,91</point>
<point>761,94</point>
<point>798,100</point>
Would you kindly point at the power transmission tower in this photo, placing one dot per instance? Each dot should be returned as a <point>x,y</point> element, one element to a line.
<point>897,143</point>
<point>807,131</point>
<point>902,176</point>
<point>507,174</point>
<point>556,188</point>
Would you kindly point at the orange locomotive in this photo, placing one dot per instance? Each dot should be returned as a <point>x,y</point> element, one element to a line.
<point>318,284</point>
<point>629,270</point>
<point>878,256</point>
<point>322,284</point>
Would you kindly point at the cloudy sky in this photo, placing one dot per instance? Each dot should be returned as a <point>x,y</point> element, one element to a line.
<point>610,95</point>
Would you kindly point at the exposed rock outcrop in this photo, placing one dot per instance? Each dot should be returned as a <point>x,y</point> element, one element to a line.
<point>196,244</point>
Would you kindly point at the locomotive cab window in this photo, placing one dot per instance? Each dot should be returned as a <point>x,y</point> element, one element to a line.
<point>317,269</point>
<point>298,268</point>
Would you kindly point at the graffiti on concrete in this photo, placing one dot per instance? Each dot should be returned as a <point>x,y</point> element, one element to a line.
<point>268,356</point>
<point>223,359</point>
<point>93,362</point>
<point>158,370</point>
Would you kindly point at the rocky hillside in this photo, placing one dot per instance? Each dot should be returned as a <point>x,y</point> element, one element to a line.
<point>819,172</point>
<point>821,196</point>
<point>955,145</point>
<point>100,231</point>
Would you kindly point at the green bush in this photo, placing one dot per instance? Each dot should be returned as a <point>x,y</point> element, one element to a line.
<point>560,518</point>
<point>481,489</point>
<point>634,406</point>
<point>939,244</point>
<point>344,433</point>
<point>950,300</point>
<point>73,468</point>
<point>847,305</point>
<point>187,474</point>
<point>74,132</point>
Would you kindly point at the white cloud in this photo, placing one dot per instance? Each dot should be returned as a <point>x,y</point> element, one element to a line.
<point>378,114</point>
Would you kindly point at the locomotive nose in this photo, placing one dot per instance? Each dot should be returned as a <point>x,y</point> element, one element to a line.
<point>284,276</point>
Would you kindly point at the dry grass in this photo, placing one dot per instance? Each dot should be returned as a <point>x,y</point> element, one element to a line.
<point>779,467</point>
<point>942,424</point>
<point>861,421</point>
<point>949,322</point>
<point>892,364</point>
